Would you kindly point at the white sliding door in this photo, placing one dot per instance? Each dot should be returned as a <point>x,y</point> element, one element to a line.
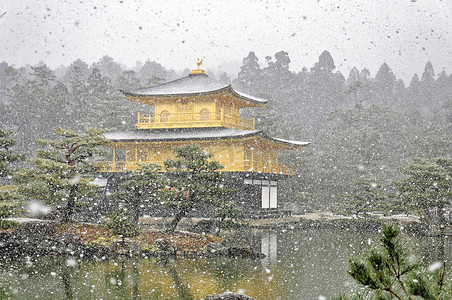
<point>273,197</point>
<point>265,196</point>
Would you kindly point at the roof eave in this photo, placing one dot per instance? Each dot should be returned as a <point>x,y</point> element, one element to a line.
<point>228,88</point>
<point>158,96</point>
<point>288,143</point>
<point>186,139</point>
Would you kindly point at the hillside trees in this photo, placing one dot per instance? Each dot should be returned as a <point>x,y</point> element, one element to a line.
<point>61,170</point>
<point>365,127</point>
<point>249,75</point>
<point>411,121</point>
<point>384,86</point>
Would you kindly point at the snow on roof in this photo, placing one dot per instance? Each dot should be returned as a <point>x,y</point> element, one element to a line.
<point>193,84</point>
<point>192,134</point>
<point>296,143</point>
<point>246,96</point>
<point>180,134</point>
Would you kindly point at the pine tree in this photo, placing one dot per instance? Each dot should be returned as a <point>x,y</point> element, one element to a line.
<point>7,156</point>
<point>227,214</point>
<point>428,187</point>
<point>384,85</point>
<point>122,225</point>
<point>139,188</point>
<point>387,272</point>
<point>9,200</point>
<point>367,196</point>
<point>193,182</point>
<point>250,73</point>
<point>62,170</point>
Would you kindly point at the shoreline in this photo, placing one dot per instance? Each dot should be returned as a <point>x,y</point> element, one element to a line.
<point>193,239</point>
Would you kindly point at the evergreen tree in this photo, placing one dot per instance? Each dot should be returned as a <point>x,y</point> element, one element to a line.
<point>325,63</point>
<point>325,93</point>
<point>250,73</point>
<point>128,81</point>
<point>428,187</point>
<point>78,67</point>
<point>153,73</point>
<point>276,74</point>
<point>428,77</point>
<point>122,225</point>
<point>62,170</point>
<point>227,214</point>
<point>427,93</point>
<point>7,156</point>
<point>384,86</point>
<point>224,78</point>
<point>193,182</point>
<point>102,104</point>
<point>388,272</point>
<point>367,196</point>
<point>108,68</point>
<point>140,188</point>
<point>43,76</point>
<point>9,200</point>
<point>32,102</point>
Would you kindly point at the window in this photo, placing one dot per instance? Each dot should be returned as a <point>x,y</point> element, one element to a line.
<point>164,116</point>
<point>204,115</point>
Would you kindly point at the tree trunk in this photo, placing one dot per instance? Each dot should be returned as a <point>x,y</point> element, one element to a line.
<point>179,215</point>
<point>69,211</point>
<point>135,210</point>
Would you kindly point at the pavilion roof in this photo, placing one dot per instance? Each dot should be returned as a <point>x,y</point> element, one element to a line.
<point>188,134</point>
<point>191,85</point>
<point>194,134</point>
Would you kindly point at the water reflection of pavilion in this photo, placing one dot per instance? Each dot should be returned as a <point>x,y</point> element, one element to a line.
<point>269,246</point>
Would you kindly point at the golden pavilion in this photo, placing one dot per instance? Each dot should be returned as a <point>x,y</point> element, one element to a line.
<point>198,109</point>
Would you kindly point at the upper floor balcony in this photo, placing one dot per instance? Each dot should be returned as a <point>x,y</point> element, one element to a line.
<point>191,120</point>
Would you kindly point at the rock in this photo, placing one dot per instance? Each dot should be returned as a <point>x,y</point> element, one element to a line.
<point>164,246</point>
<point>203,226</point>
<point>228,296</point>
<point>215,249</point>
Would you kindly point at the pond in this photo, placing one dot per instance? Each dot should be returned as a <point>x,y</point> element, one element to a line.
<point>304,264</point>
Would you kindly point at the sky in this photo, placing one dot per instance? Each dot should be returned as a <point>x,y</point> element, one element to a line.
<point>403,33</point>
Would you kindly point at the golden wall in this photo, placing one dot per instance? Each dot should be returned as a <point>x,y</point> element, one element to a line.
<point>235,155</point>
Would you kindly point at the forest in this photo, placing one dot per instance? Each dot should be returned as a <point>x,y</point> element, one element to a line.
<point>365,129</point>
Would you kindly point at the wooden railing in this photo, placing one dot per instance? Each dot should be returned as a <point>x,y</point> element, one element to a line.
<point>121,166</point>
<point>108,166</point>
<point>240,122</point>
<point>175,120</point>
<point>269,168</point>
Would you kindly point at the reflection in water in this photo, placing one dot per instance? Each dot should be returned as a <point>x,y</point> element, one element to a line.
<point>65,277</point>
<point>309,263</point>
<point>182,289</point>
<point>269,246</point>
